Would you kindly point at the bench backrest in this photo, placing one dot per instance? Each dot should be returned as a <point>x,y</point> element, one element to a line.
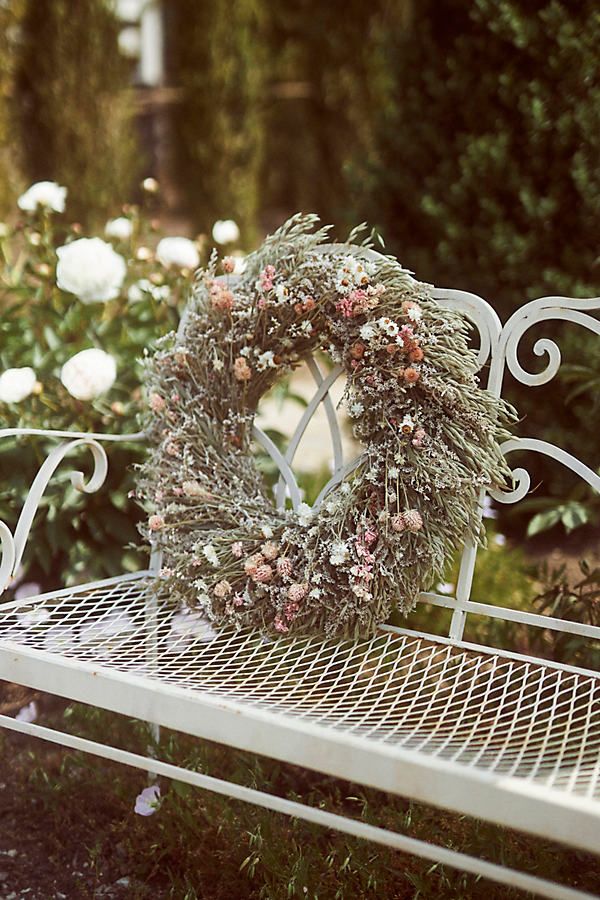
<point>498,351</point>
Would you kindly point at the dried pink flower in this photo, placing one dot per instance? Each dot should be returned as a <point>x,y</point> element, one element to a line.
<point>413,519</point>
<point>252,564</point>
<point>398,523</point>
<point>280,625</point>
<point>297,592</point>
<point>221,297</point>
<point>370,535</point>
<point>155,523</point>
<point>228,264</point>
<point>157,403</point>
<point>284,567</point>
<point>241,369</point>
<point>269,550</point>
<point>263,574</point>
<point>222,589</point>
<point>411,376</point>
<point>266,278</point>
<point>419,437</point>
<point>237,549</point>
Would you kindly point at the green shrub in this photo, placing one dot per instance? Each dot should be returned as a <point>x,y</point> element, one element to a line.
<point>10,16</point>
<point>215,61</point>
<point>74,111</point>
<point>76,536</point>
<point>328,76</point>
<point>485,175</point>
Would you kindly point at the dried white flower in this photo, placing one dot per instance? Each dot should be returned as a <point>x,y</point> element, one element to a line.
<point>338,553</point>
<point>266,360</point>
<point>367,331</point>
<point>304,513</point>
<point>388,326</point>
<point>211,555</point>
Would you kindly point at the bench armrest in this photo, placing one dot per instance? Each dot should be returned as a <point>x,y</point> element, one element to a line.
<point>12,546</point>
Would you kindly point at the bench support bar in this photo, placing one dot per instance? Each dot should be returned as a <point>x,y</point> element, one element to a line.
<point>453,858</point>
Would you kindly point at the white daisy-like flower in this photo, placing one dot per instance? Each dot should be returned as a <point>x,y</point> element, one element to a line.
<point>304,513</point>
<point>415,313</point>
<point>356,410</point>
<point>211,555</point>
<point>266,360</point>
<point>281,292</point>
<point>393,472</point>
<point>306,327</point>
<point>245,351</point>
<point>315,593</point>
<point>367,331</point>
<point>407,424</point>
<point>338,553</point>
<point>266,531</point>
<point>388,326</point>
<point>343,285</point>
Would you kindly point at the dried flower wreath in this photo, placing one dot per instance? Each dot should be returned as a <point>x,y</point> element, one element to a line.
<point>429,432</point>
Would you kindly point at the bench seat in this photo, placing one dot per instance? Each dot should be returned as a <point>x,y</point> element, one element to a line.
<point>478,731</point>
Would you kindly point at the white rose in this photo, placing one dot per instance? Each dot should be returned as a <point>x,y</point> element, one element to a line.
<point>89,374</point>
<point>90,269</point>
<point>120,228</point>
<point>43,193</point>
<point>16,384</point>
<point>225,231</point>
<point>178,251</point>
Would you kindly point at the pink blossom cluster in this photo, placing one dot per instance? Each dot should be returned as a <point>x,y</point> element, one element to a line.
<point>221,297</point>
<point>266,278</point>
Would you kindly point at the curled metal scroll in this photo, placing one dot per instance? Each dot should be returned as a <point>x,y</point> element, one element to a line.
<point>543,310</point>
<point>521,478</point>
<point>13,547</point>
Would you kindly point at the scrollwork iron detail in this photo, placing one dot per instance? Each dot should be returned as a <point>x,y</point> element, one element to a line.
<point>13,546</point>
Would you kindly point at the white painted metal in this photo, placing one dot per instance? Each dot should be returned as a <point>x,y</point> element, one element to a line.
<point>452,858</point>
<point>489,733</point>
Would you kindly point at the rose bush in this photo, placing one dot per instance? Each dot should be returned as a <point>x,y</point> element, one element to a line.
<point>77,313</point>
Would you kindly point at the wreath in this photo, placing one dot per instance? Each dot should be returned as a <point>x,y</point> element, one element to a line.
<point>429,435</point>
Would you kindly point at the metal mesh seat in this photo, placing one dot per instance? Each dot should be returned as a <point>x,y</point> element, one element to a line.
<point>477,710</point>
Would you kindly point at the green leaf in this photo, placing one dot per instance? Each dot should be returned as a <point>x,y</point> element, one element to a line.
<point>574,515</point>
<point>544,520</point>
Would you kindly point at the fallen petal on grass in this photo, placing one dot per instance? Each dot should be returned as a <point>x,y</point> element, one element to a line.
<point>148,801</point>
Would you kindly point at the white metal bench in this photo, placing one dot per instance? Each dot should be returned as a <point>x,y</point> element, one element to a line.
<point>497,735</point>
